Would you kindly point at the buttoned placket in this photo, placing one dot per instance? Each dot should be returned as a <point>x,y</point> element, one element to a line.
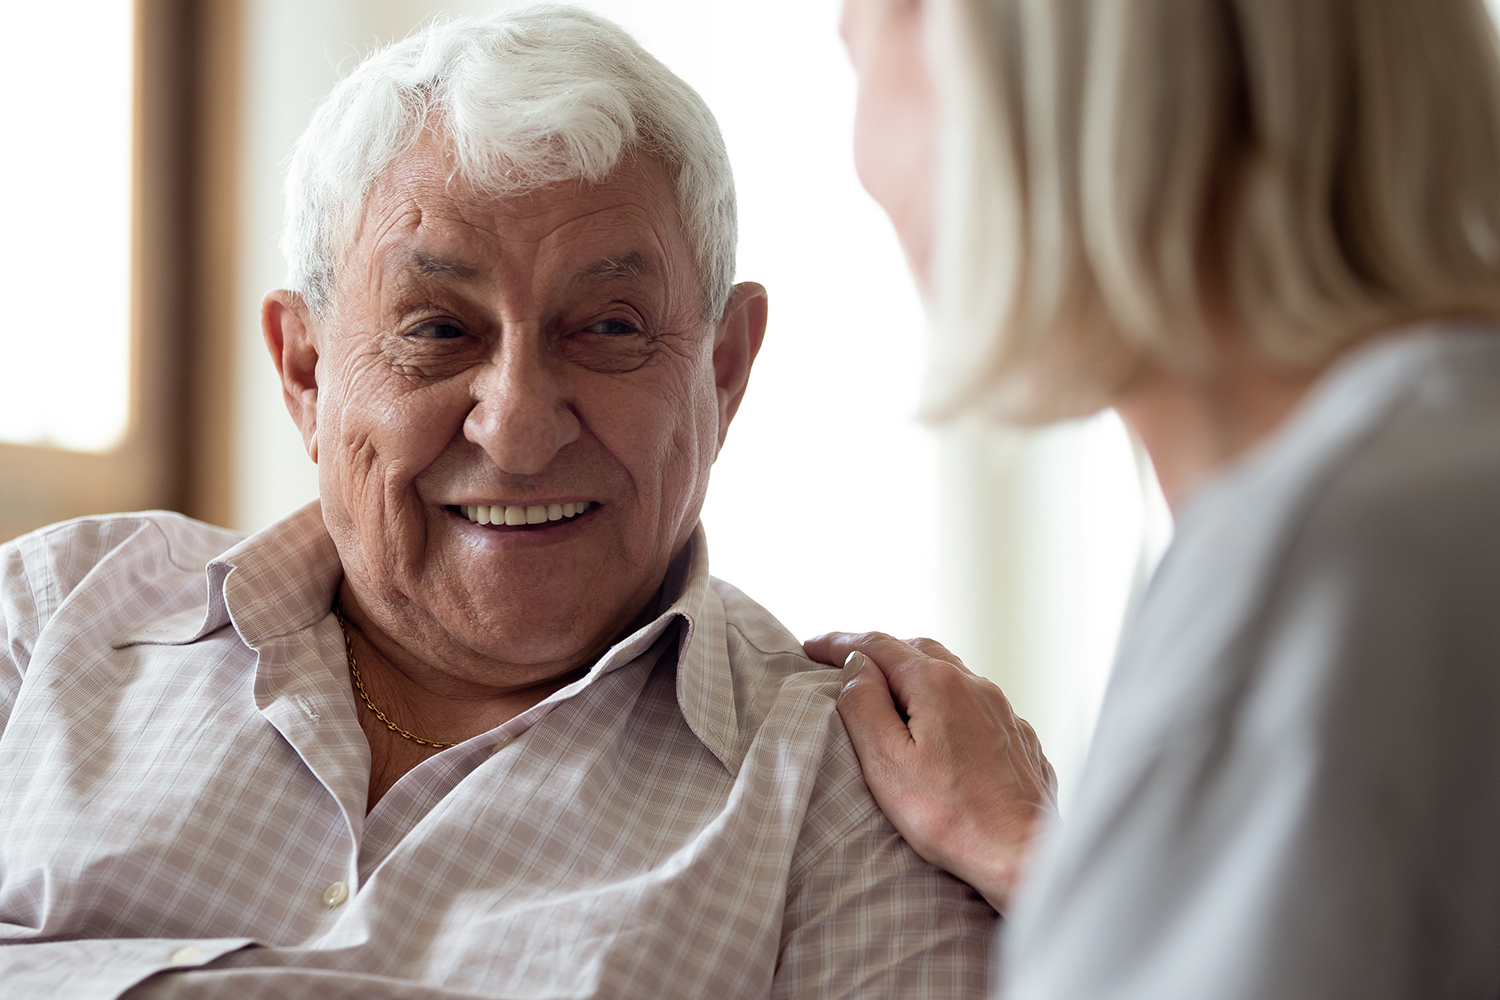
<point>313,709</point>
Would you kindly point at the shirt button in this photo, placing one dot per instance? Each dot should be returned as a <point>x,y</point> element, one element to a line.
<point>187,955</point>
<point>335,894</point>
<point>503,744</point>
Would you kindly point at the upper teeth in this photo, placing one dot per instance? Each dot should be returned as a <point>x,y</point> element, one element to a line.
<point>495,514</point>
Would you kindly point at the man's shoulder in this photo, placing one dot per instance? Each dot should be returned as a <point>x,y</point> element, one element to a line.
<point>755,624</point>
<point>58,557</point>
<point>765,657</point>
<point>785,697</point>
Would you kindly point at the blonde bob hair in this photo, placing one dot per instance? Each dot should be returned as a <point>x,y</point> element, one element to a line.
<point>1121,180</point>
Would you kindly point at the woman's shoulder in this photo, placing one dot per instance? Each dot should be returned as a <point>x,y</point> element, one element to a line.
<point>1393,468</point>
<point>1363,554</point>
<point>1417,495</point>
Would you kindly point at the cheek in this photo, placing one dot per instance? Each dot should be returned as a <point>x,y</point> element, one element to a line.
<point>695,446</point>
<point>665,436</point>
<point>380,433</point>
<point>875,136</point>
<point>895,138</point>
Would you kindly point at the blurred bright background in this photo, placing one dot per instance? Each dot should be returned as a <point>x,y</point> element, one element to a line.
<point>64,258</point>
<point>830,505</point>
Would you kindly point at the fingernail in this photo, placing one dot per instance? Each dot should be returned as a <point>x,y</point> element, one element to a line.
<point>853,664</point>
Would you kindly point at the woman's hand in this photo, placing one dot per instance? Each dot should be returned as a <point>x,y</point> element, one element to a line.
<point>958,774</point>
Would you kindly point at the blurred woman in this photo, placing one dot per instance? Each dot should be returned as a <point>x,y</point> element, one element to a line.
<point>1267,232</point>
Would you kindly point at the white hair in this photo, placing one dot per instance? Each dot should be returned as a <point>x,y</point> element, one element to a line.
<point>1121,178</point>
<point>523,99</point>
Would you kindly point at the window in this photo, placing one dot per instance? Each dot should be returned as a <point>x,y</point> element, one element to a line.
<point>65,265</point>
<point>94,366</point>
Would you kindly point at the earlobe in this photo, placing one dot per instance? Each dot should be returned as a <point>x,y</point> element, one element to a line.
<point>288,328</point>
<point>736,343</point>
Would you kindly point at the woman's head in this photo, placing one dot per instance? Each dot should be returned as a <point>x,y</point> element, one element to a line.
<point>1122,186</point>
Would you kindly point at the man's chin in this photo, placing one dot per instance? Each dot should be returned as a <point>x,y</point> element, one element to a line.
<point>536,635</point>
<point>562,606</point>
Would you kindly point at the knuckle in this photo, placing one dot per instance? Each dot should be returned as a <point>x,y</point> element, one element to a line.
<point>994,692</point>
<point>934,649</point>
<point>947,678</point>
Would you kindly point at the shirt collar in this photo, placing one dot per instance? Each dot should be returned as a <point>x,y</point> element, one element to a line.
<point>277,581</point>
<point>705,684</point>
<point>284,579</point>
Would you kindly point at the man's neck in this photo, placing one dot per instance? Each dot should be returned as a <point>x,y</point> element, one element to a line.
<point>449,711</point>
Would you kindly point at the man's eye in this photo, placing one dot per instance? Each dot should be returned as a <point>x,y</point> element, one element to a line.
<point>438,331</point>
<point>613,328</point>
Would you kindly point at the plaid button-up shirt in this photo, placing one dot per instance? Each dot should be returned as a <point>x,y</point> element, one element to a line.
<point>183,785</point>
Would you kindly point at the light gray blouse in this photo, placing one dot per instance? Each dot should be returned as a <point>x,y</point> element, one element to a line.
<point>1294,789</point>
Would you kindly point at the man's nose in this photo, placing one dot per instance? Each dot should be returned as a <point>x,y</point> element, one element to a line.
<point>521,415</point>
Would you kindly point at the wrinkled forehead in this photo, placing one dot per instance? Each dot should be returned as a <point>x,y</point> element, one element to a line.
<point>423,218</point>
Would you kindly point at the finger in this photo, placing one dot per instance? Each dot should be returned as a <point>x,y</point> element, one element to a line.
<point>936,650</point>
<point>912,676</point>
<point>875,726</point>
<point>831,648</point>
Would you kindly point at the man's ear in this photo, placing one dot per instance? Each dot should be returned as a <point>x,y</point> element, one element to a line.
<point>737,341</point>
<point>287,325</point>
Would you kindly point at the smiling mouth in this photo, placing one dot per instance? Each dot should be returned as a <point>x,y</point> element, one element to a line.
<point>511,516</point>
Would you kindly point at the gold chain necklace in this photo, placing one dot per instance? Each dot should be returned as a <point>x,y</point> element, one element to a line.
<point>359,686</point>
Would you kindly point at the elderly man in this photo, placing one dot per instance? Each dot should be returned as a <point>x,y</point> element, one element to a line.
<point>479,723</point>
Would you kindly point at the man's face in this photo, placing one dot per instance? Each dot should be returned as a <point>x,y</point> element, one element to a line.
<point>532,352</point>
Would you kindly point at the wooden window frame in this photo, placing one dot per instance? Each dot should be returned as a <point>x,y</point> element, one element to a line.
<point>174,453</point>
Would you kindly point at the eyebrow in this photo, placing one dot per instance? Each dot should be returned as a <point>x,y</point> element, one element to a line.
<point>632,266</point>
<point>427,265</point>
